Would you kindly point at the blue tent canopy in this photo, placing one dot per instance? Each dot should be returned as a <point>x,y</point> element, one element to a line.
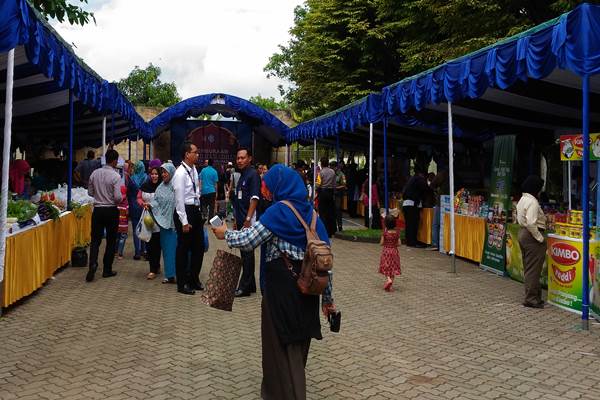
<point>46,68</point>
<point>364,111</point>
<point>262,121</point>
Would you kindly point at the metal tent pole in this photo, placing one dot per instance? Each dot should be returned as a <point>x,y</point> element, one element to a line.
<point>104,136</point>
<point>314,189</point>
<point>137,147</point>
<point>297,151</point>
<point>143,150</point>
<point>8,108</point>
<point>569,174</point>
<point>129,147</point>
<point>287,155</point>
<point>585,204</point>
<point>337,148</point>
<point>451,178</point>
<point>70,165</point>
<point>385,163</point>
<point>112,127</point>
<point>370,210</point>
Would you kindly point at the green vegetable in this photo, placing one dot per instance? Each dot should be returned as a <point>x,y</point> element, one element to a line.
<point>22,210</point>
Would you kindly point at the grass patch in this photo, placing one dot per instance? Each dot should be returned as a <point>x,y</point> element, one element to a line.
<point>367,235</point>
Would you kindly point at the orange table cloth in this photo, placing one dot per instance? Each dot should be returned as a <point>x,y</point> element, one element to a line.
<point>32,256</point>
<point>425,226</point>
<point>470,236</point>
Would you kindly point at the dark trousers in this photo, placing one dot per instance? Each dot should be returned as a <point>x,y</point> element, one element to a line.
<point>534,254</point>
<point>247,281</point>
<point>153,249</point>
<point>104,219</point>
<point>327,210</point>
<point>207,205</point>
<point>411,219</point>
<point>339,199</point>
<point>351,203</point>
<point>187,269</point>
<point>376,217</point>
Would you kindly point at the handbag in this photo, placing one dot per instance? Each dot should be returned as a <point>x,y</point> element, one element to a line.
<point>222,281</point>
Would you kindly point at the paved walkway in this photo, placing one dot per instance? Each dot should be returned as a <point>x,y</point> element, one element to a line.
<point>438,336</point>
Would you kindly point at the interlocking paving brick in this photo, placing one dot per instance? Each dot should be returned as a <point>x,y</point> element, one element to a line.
<point>437,336</point>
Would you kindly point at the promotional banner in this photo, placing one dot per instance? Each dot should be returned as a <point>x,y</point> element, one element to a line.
<point>565,269</point>
<point>444,209</point>
<point>216,140</point>
<point>571,147</point>
<point>500,201</point>
<point>514,257</point>
<point>595,283</point>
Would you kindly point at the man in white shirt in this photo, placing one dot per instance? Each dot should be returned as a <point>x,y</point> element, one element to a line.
<point>188,222</point>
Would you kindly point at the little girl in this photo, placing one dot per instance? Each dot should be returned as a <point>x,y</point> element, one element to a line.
<point>389,264</point>
<point>123,223</point>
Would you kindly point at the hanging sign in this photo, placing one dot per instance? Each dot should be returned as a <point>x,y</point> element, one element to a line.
<point>571,147</point>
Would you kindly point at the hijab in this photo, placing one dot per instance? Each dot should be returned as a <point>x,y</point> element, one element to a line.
<point>533,185</point>
<point>163,205</point>
<point>156,163</point>
<point>148,186</point>
<point>139,173</point>
<point>284,183</point>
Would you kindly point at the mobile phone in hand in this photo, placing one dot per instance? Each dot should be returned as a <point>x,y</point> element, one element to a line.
<point>216,221</point>
<point>335,320</point>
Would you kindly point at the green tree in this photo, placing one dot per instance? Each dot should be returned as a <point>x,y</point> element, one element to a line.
<point>143,87</point>
<point>60,9</point>
<point>340,50</point>
<point>269,103</point>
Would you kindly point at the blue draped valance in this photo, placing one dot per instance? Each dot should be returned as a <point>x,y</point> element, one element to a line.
<point>226,105</point>
<point>364,111</point>
<point>21,25</point>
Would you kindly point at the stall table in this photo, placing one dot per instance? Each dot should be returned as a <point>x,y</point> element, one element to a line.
<point>34,254</point>
<point>470,236</point>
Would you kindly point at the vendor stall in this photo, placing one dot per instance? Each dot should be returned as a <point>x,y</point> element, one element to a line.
<point>35,253</point>
<point>470,236</point>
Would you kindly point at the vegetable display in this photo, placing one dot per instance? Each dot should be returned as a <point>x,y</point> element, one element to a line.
<point>22,210</point>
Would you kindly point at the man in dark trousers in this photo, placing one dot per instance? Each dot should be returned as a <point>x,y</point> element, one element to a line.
<point>105,187</point>
<point>188,222</point>
<point>247,195</point>
<point>326,199</point>
<point>411,206</point>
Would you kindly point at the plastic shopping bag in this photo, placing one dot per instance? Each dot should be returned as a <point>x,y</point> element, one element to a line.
<point>142,230</point>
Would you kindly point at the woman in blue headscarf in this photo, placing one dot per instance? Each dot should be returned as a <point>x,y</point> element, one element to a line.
<point>134,181</point>
<point>289,319</point>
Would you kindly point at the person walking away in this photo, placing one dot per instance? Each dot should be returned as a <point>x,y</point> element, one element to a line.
<point>84,169</point>
<point>188,222</point>
<point>326,200</point>
<point>162,207</point>
<point>411,206</point>
<point>289,319</point>
<point>123,223</point>
<point>134,181</point>
<point>531,239</point>
<point>209,179</point>
<point>246,201</point>
<point>144,198</point>
<point>339,193</point>
<point>389,263</point>
<point>352,186</point>
<point>105,187</point>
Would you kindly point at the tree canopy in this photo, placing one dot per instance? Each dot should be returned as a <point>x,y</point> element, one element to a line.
<point>269,103</point>
<point>143,87</point>
<point>61,9</point>
<point>341,50</point>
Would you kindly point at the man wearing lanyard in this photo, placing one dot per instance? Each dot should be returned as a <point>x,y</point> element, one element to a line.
<point>247,194</point>
<point>188,222</point>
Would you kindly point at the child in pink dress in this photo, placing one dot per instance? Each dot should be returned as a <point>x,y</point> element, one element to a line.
<point>389,264</point>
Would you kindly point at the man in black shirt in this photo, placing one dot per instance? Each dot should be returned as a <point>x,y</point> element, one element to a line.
<point>247,195</point>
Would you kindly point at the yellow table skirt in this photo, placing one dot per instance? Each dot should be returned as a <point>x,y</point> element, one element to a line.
<point>425,226</point>
<point>470,236</point>
<point>32,256</point>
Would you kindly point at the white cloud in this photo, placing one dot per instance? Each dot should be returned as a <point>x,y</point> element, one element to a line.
<point>203,46</point>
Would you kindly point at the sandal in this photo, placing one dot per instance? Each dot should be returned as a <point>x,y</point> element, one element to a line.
<point>151,275</point>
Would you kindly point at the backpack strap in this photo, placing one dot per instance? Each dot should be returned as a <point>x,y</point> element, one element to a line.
<point>310,231</point>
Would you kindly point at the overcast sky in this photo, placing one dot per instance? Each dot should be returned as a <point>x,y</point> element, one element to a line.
<point>202,46</point>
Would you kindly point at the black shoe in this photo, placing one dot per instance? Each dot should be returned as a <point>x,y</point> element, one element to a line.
<point>168,280</point>
<point>198,286</point>
<point>109,274</point>
<point>530,305</point>
<point>239,293</point>
<point>186,290</point>
<point>137,258</point>
<point>91,272</point>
